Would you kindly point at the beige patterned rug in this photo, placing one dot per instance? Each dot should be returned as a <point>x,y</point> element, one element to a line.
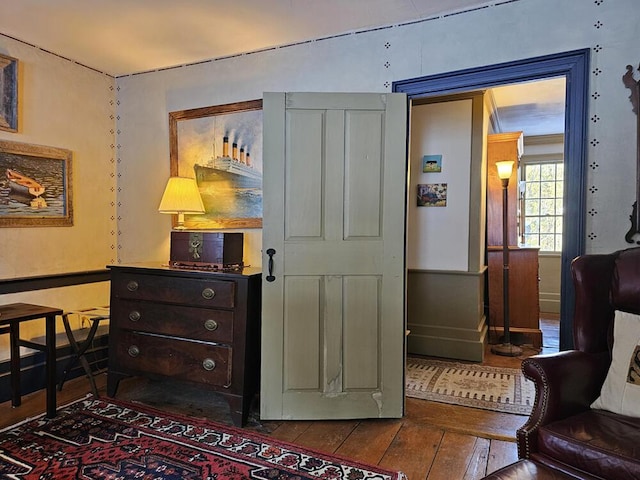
<point>491,388</point>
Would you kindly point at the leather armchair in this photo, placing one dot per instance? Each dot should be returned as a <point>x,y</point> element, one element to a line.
<point>563,432</point>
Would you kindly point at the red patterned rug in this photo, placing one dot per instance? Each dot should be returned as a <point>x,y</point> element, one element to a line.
<point>109,439</point>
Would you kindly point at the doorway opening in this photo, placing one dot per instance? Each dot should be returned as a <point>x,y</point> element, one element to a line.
<point>535,110</point>
<point>574,67</point>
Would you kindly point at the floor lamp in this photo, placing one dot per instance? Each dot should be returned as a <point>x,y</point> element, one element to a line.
<point>505,169</point>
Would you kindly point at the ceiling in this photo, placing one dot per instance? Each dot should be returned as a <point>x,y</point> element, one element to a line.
<point>535,108</point>
<point>122,37</point>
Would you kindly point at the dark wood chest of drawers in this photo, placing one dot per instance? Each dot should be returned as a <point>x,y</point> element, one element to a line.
<point>194,326</point>
<point>524,293</point>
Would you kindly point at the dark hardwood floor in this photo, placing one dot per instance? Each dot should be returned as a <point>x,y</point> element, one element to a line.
<point>432,441</point>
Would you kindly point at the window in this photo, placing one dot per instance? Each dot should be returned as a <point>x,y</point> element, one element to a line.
<point>541,205</point>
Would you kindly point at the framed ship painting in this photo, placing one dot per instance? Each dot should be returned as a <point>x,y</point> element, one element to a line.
<point>221,147</point>
<point>35,190</point>
<point>8,93</point>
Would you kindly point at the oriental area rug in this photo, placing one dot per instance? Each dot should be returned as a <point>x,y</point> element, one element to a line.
<point>108,439</point>
<point>491,388</point>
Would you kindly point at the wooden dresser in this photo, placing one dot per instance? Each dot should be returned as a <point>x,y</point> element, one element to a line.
<point>194,326</point>
<point>524,305</point>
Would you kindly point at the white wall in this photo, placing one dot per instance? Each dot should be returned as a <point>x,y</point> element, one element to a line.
<point>371,61</point>
<point>64,105</point>
<point>438,237</point>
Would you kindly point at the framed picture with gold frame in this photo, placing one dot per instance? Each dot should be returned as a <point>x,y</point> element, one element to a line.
<point>221,147</point>
<point>8,93</point>
<point>36,186</point>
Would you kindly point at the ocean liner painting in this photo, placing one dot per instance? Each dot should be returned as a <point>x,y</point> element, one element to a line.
<point>221,147</point>
<point>234,167</point>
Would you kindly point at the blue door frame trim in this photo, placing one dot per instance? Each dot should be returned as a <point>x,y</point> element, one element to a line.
<point>574,66</point>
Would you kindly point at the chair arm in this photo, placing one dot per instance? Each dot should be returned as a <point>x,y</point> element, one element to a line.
<point>566,384</point>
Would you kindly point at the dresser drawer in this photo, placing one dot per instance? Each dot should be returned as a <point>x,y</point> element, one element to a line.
<point>173,320</point>
<point>179,359</point>
<point>170,289</point>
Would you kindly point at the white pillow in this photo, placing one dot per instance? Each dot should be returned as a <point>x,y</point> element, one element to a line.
<point>621,389</point>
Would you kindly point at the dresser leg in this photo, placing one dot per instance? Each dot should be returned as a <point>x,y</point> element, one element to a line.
<point>113,380</point>
<point>239,407</point>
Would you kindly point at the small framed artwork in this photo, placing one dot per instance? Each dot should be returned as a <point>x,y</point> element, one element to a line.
<point>36,186</point>
<point>432,163</point>
<point>221,147</point>
<point>8,93</point>
<point>432,195</point>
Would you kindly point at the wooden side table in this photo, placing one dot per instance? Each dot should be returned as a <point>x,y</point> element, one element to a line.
<point>10,317</point>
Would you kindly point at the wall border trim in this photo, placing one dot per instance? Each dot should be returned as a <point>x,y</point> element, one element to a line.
<point>26,284</point>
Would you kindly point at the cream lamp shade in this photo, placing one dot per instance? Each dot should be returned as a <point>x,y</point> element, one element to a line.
<point>181,195</point>
<point>504,169</point>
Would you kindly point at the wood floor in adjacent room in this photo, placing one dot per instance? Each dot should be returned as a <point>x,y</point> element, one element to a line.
<point>432,441</point>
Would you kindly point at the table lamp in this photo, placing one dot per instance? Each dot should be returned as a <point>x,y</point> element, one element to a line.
<point>181,195</point>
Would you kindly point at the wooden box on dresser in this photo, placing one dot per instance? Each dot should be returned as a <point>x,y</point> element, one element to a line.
<point>190,325</point>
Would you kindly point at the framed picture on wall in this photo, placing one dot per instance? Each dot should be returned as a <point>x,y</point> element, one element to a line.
<point>432,195</point>
<point>8,93</point>
<point>432,164</point>
<point>37,186</point>
<point>221,147</point>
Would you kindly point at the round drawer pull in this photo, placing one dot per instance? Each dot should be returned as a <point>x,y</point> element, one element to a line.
<point>208,364</point>
<point>134,315</point>
<point>132,286</point>
<point>211,325</point>
<point>133,351</point>
<point>208,293</point>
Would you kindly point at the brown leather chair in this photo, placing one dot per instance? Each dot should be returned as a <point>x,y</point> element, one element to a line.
<point>563,434</point>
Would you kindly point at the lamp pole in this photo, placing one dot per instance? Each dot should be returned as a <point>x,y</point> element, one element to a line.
<point>506,349</point>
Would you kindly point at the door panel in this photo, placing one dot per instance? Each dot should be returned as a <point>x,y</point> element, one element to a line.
<point>334,212</point>
<point>361,332</point>
<point>304,178</point>
<point>302,327</point>
<point>364,139</point>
